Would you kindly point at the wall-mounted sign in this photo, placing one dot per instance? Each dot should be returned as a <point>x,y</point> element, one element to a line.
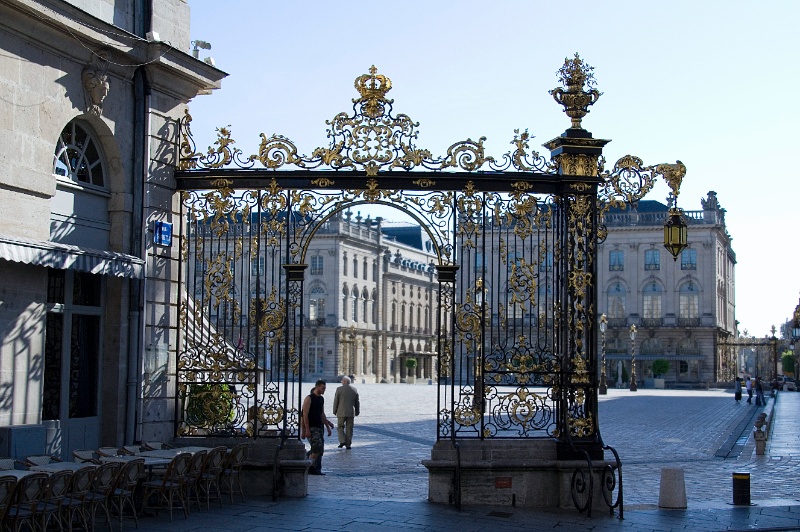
<point>162,234</point>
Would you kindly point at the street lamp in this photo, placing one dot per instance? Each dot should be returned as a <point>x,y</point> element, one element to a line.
<point>603,326</point>
<point>633,359</point>
<point>774,342</point>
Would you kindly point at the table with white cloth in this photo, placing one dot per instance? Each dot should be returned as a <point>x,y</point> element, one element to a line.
<point>54,467</point>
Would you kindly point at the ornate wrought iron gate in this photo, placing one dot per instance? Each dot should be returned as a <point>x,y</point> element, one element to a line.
<point>515,244</point>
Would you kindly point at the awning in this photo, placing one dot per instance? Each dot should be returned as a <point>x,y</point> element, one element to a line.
<point>66,257</point>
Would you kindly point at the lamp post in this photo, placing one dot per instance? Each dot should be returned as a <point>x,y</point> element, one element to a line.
<point>795,339</point>
<point>603,325</point>
<point>633,359</point>
<point>774,343</point>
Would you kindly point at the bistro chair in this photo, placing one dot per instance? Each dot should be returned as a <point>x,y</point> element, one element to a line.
<point>100,493</point>
<point>7,463</point>
<point>128,480</point>
<point>28,493</point>
<point>51,504</point>
<point>40,459</point>
<point>83,456</point>
<point>233,466</point>
<point>169,486</point>
<point>210,476</point>
<point>74,503</point>
<point>7,485</point>
<point>130,449</point>
<point>108,451</point>
<point>196,467</point>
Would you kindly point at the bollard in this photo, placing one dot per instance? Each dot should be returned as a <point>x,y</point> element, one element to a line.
<point>741,489</point>
<point>672,492</point>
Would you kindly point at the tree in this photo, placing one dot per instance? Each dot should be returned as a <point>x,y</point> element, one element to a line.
<point>787,361</point>
<point>411,363</point>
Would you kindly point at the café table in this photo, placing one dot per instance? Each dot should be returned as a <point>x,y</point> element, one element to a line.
<point>53,467</point>
<point>172,453</point>
<point>18,473</point>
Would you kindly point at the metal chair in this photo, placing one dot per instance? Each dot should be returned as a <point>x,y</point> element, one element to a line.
<point>83,456</point>
<point>7,485</point>
<point>129,477</point>
<point>28,493</point>
<point>172,484</point>
<point>210,476</point>
<point>102,489</point>
<point>230,474</point>
<point>74,503</point>
<point>50,506</point>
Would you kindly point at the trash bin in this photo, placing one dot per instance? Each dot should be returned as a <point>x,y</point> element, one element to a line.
<point>741,489</point>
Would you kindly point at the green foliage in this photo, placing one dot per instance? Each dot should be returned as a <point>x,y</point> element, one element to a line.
<point>660,367</point>
<point>210,405</point>
<point>787,361</point>
<point>411,363</point>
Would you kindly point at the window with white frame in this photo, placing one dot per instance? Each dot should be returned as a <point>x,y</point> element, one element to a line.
<point>689,301</point>
<point>315,358</point>
<point>617,299</point>
<point>616,260</point>
<point>316,265</point>
<point>652,259</point>
<point>689,259</point>
<point>651,301</point>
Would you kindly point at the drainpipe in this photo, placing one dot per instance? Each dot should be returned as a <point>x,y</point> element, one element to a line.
<point>141,124</point>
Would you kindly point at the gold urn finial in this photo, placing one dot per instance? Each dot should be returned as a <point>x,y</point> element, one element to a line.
<point>576,75</point>
<point>373,88</point>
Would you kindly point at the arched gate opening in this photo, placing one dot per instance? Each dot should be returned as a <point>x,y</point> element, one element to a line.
<point>512,272</point>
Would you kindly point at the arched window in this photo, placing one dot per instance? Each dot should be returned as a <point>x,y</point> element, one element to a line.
<point>616,300</point>
<point>364,270</point>
<point>365,303</point>
<point>355,267</point>
<point>394,316</point>
<point>689,302</point>
<point>77,157</point>
<point>374,306</point>
<point>651,303</point>
<point>345,298</point>
<point>355,304</point>
<point>316,303</point>
<point>344,264</point>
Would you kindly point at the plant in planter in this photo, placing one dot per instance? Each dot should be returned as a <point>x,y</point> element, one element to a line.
<point>660,367</point>
<point>411,366</point>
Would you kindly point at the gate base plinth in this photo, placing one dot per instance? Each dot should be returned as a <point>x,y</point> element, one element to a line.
<point>508,473</point>
<point>258,469</point>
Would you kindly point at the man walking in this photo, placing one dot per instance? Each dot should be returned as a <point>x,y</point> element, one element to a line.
<point>313,425</point>
<point>345,408</point>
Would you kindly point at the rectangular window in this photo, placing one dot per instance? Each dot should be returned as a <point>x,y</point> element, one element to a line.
<point>257,267</point>
<point>689,259</point>
<point>652,259</point>
<point>652,306</point>
<point>316,265</point>
<point>316,308</point>
<point>616,260</point>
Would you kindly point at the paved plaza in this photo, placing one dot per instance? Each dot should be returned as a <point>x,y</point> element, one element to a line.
<point>380,484</point>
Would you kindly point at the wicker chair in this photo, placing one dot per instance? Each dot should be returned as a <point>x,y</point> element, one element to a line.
<point>130,450</point>
<point>128,479</point>
<point>74,504</point>
<point>29,492</point>
<point>211,475</point>
<point>108,451</point>
<point>169,486</point>
<point>51,504</point>
<point>233,466</point>
<point>99,496</point>
<point>7,463</point>
<point>156,445</point>
<point>7,485</point>
<point>85,456</point>
<point>196,468</point>
<point>40,459</point>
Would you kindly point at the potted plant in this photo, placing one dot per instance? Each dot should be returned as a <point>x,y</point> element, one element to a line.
<point>660,367</point>
<point>411,367</point>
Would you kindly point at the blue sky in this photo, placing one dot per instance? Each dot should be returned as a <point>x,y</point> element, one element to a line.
<point>711,83</point>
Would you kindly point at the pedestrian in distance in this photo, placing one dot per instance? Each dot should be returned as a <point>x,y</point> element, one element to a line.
<point>345,407</point>
<point>313,425</point>
<point>737,390</point>
<point>748,384</point>
<point>760,401</point>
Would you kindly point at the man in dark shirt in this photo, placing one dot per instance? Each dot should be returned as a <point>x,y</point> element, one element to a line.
<point>313,425</point>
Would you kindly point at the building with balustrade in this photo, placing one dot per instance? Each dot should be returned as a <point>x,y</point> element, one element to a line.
<point>683,309</point>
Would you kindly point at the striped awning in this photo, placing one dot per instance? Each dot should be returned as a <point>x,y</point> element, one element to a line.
<point>67,257</point>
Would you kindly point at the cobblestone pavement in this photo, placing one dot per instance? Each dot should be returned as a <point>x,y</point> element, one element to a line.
<point>650,429</point>
<point>379,485</point>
